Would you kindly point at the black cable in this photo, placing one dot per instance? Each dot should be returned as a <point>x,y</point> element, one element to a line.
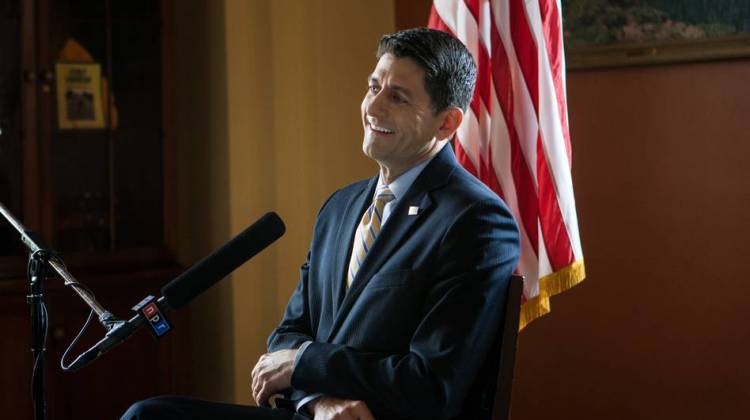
<point>75,340</point>
<point>38,357</point>
<point>85,324</point>
<point>47,256</point>
<point>44,319</point>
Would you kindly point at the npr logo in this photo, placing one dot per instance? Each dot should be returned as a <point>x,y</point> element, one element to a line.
<point>150,310</point>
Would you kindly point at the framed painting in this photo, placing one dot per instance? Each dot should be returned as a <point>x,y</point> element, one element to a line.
<point>613,33</point>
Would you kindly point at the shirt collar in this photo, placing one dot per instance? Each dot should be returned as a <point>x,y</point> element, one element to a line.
<point>401,185</point>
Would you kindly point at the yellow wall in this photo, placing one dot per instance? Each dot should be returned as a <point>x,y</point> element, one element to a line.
<point>267,111</point>
<point>203,183</point>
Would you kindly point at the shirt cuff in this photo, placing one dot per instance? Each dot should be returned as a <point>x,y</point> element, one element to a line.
<point>304,401</point>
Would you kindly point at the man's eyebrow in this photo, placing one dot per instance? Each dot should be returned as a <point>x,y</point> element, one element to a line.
<point>405,91</point>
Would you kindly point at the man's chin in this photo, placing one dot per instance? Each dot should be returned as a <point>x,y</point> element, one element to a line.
<point>371,150</point>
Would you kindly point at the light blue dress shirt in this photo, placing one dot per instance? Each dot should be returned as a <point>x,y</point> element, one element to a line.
<point>399,187</point>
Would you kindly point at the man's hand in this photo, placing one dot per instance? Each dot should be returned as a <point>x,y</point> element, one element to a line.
<point>272,373</point>
<point>329,408</point>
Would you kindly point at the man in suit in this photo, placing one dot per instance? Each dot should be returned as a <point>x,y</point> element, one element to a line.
<point>402,292</point>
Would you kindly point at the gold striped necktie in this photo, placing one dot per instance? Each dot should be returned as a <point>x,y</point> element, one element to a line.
<point>367,231</point>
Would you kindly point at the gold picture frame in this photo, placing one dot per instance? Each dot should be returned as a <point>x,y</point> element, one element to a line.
<point>622,55</point>
<point>618,33</point>
<point>79,96</point>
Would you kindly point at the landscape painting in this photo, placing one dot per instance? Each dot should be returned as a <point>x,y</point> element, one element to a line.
<point>603,33</point>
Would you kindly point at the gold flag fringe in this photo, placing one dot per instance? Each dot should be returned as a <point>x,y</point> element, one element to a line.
<point>550,285</point>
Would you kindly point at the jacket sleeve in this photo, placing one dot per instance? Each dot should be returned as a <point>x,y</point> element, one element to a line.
<point>460,318</point>
<point>293,331</point>
<point>295,328</point>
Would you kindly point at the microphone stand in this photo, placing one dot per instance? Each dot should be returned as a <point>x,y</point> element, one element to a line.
<point>43,263</point>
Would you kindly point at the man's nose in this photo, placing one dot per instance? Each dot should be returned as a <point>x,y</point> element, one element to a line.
<point>376,106</point>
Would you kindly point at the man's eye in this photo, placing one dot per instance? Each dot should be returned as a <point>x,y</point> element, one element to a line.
<point>398,98</point>
<point>374,89</point>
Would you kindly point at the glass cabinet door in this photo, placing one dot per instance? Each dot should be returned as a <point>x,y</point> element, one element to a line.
<point>105,180</point>
<point>11,153</point>
<point>82,134</point>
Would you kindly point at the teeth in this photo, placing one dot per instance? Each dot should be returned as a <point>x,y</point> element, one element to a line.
<point>380,129</point>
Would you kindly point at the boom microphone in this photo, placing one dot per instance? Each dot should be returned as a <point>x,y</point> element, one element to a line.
<point>191,283</point>
<point>217,265</point>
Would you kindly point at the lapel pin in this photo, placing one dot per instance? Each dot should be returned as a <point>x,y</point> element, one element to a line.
<point>413,210</point>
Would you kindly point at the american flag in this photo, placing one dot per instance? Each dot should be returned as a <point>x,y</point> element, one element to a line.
<point>515,135</point>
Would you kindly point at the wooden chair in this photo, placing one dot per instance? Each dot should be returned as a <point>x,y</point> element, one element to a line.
<point>490,395</point>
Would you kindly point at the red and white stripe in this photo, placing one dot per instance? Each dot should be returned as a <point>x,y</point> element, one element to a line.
<point>515,135</point>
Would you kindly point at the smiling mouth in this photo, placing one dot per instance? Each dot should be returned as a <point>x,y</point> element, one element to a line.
<point>381,130</point>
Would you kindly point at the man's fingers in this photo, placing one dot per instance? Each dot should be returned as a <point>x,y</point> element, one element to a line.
<point>255,390</point>
<point>263,396</point>
<point>262,383</point>
<point>254,376</point>
<point>264,388</point>
<point>271,374</point>
<point>257,377</point>
<point>255,368</point>
<point>328,408</point>
<point>361,411</point>
<point>255,383</point>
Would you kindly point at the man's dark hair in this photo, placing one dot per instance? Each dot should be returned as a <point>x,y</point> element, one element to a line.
<point>450,72</point>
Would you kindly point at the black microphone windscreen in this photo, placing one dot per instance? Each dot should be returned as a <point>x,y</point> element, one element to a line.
<point>217,265</point>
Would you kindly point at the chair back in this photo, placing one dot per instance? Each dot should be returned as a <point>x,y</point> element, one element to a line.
<point>508,346</point>
<point>489,397</point>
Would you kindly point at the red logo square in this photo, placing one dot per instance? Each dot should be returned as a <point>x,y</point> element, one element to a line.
<point>150,310</point>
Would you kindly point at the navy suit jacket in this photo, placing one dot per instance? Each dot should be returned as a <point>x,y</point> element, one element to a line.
<point>411,333</point>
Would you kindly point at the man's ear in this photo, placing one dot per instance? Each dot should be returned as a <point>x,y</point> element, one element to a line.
<point>451,119</point>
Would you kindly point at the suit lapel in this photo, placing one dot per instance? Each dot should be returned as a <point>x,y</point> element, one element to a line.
<point>354,210</point>
<point>396,230</point>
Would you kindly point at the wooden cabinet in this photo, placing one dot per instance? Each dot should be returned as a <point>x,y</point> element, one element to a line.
<point>102,197</point>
